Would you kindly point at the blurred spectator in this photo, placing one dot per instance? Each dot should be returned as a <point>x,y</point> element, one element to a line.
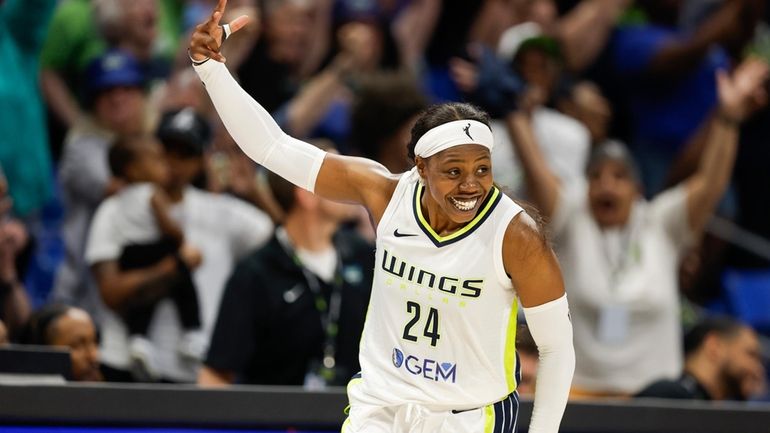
<point>320,108</point>
<point>82,30</point>
<point>14,301</point>
<point>117,106</point>
<point>751,179</point>
<point>582,31</point>
<point>722,362</point>
<point>293,311</point>
<point>4,341</point>
<point>620,253</point>
<point>528,361</point>
<point>384,110</point>
<point>270,72</point>
<point>183,89</point>
<point>448,37</point>
<point>138,162</point>
<point>393,45</point>
<point>585,103</point>
<point>135,27</point>
<point>15,246</point>
<point>412,23</point>
<point>71,328</point>
<point>24,151</point>
<point>564,141</point>
<point>276,70</point>
<point>222,227</point>
<point>121,224</point>
<point>73,42</point>
<point>673,74</point>
<point>501,26</point>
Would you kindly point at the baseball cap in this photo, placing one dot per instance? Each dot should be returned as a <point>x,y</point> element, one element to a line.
<point>545,44</point>
<point>184,132</point>
<point>113,68</point>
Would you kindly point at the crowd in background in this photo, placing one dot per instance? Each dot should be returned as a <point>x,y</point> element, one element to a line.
<point>137,234</point>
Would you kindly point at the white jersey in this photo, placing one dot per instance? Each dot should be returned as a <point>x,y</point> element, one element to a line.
<point>441,325</point>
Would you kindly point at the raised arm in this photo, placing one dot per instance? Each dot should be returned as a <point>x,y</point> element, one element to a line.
<point>309,106</point>
<point>740,94</point>
<point>679,56</point>
<point>335,177</point>
<point>584,31</point>
<point>543,186</point>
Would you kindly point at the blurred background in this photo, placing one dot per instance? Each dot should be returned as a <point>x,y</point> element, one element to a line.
<point>137,236</point>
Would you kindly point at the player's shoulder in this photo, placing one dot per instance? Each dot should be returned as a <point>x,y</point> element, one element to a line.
<point>525,234</point>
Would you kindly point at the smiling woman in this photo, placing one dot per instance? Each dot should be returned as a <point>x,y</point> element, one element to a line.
<point>454,258</point>
<point>451,146</point>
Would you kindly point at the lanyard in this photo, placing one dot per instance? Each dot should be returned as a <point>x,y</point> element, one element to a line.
<point>329,312</point>
<point>628,252</point>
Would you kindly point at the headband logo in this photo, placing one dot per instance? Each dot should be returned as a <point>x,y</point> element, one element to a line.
<point>466,130</point>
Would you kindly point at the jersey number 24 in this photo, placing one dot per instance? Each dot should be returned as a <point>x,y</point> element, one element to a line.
<point>431,324</point>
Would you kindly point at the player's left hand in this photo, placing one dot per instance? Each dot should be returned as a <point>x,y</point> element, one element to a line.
<point>208,37</point>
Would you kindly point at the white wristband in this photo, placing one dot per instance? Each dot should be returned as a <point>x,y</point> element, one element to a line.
<point>197,62</point>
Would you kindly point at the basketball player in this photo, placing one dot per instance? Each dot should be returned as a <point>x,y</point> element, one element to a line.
<point>454,259</point>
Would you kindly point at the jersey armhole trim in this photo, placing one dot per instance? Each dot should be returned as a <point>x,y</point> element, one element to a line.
<point>395,198</point>
<point>508,216</point>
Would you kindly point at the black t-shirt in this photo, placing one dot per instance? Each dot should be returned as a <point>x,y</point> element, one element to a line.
<point>269,331</point>
<point>684,388</point>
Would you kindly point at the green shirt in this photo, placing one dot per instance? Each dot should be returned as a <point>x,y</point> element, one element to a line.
<point>74,39</point>
<point>24,153</point>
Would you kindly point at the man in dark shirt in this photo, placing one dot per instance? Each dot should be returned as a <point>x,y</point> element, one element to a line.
<point>293,311</point>
<point>722,362</point>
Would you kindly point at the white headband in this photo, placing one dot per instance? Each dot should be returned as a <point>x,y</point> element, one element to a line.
<point>452,134</point>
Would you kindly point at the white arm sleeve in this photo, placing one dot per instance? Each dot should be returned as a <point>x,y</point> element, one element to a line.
<point>551,328</point>
<point>255,131</point>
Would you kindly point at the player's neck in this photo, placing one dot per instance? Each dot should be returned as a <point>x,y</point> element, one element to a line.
<point>436,218</point>
<point>309,232</point>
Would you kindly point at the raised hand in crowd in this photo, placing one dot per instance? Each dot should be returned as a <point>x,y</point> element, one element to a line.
<point>743,92</point>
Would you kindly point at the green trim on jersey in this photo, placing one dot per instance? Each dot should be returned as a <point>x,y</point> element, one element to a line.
<point>509,357</point>
<point>489,418</point>
<point>493,198</point>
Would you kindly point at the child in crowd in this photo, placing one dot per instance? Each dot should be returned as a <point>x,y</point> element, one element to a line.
<point>152,236</point>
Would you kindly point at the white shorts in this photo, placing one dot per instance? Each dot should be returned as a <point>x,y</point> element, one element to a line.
<point>498,417</point>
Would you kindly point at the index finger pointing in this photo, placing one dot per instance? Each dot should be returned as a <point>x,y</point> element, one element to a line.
<point>221,6</point>
<point>216,15</point>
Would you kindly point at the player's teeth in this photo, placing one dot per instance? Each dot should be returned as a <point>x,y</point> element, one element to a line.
<point>464,205</point>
